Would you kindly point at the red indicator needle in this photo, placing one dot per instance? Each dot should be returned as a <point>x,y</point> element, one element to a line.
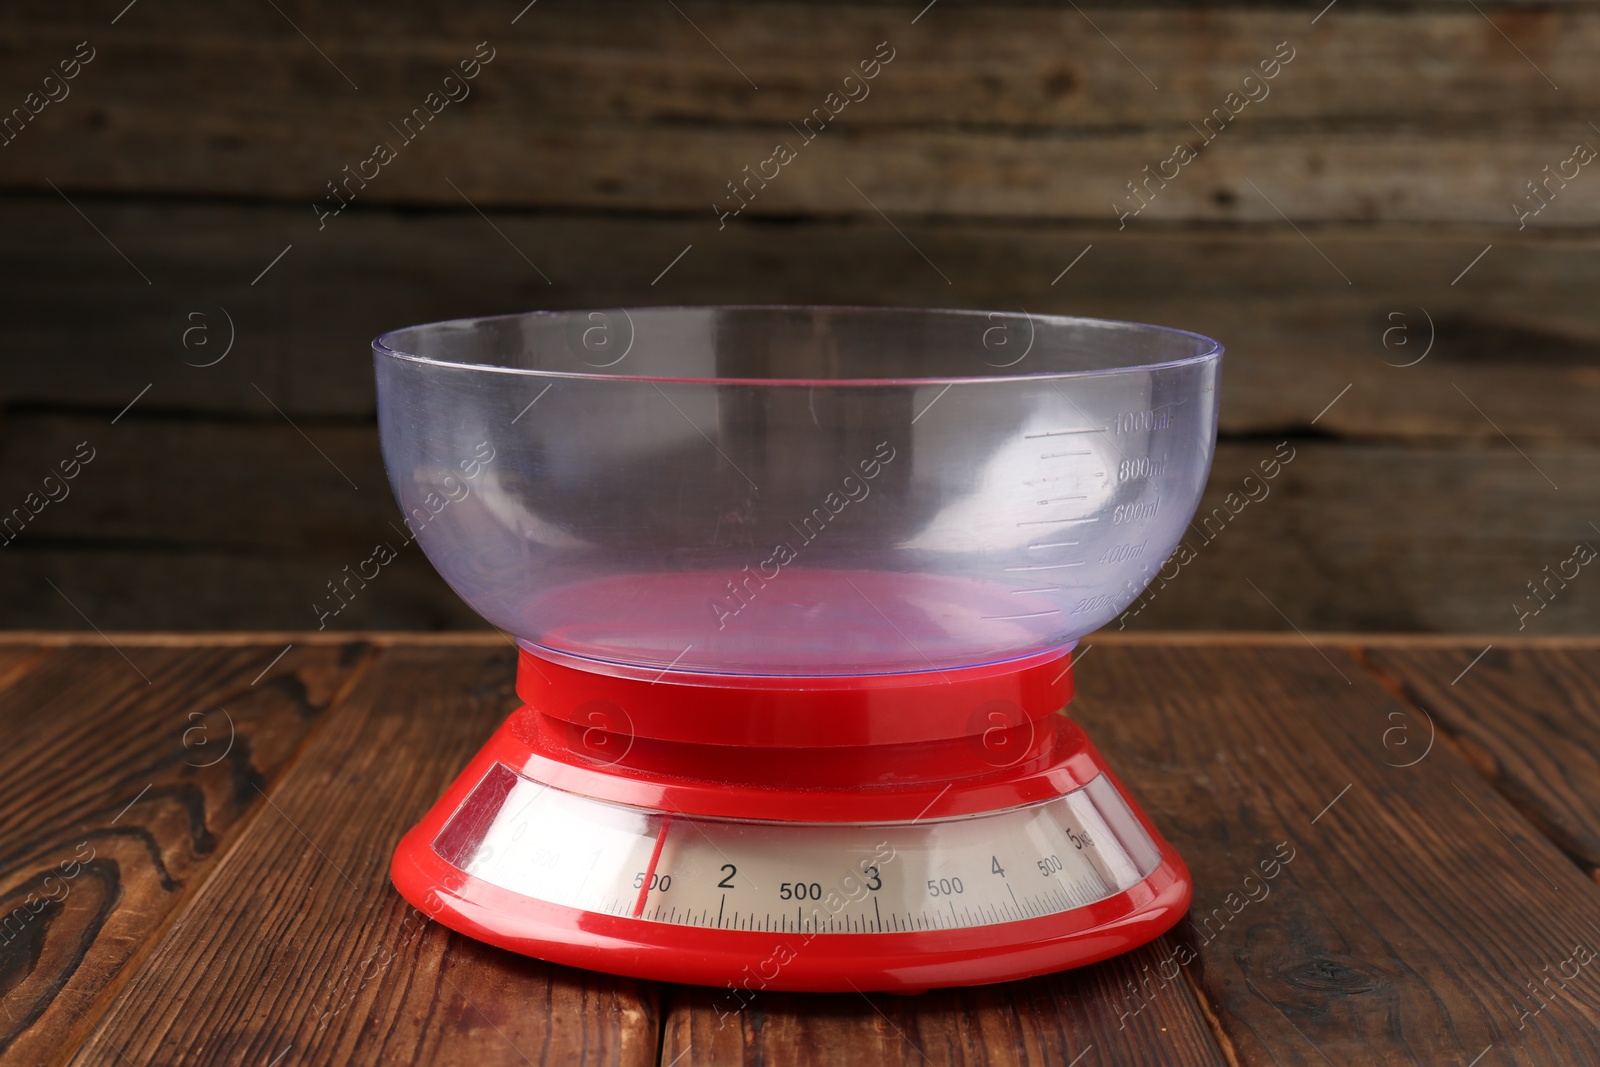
<point>650,870</point>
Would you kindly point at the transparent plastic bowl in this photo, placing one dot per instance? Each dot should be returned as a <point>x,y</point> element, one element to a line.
<point>796,491</point>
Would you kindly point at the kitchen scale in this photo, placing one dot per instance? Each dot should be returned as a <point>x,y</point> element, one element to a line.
<point>796,591</point>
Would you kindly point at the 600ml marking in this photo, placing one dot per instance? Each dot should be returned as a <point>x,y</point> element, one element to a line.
<point>1144,509</point>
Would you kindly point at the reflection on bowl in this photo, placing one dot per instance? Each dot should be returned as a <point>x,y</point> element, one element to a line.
<point>796,491</point>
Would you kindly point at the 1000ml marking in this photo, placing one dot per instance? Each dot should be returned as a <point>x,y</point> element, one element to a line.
<point>1140,421</point>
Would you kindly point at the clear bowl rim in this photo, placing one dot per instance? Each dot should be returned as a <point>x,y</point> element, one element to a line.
<point>1214,352</point>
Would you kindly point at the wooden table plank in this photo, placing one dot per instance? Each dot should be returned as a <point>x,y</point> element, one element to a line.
<point>16,662</point>
<point>995,110</point>
<point>116,793</point>
<point>1521,340</point>
<point>1085,1017</point>
<point>1415,910</point>
<point>1000,66</point>
<point>302,945</point>
<point>1362,174</point>
<point>1348,535</point>
<point>1527,718</point>
<point>1413,923</point>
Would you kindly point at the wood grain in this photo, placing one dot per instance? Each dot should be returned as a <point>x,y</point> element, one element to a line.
<point>17,661</point>
<point>1373,538</point>
<point>1348,536</point>
<point>303,945</point>
<point>1417,906</point>
<point>116,586</point>
<point>123,550</point>
<point>1528,721</point>
<point>1412,923</point>
<point>1516,335</point>
<point>185,162</point>
<point>970,64</point>
<point>118,794</point>
<point>1324,177</point>
<point>329,478</point>
<point>972,117</point>
<point>1085,1017</point>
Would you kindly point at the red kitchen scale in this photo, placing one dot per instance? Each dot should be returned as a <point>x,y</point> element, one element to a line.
<point>795,592</point>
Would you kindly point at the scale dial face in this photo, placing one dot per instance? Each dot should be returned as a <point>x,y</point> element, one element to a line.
<point>813,878</point>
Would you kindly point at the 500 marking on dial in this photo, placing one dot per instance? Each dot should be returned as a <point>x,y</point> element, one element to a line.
<point>866,878</point>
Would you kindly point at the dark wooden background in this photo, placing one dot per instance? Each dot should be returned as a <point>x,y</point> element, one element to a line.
<point>176,181</point>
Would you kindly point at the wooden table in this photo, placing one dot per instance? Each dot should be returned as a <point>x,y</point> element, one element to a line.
<point>196,833</point>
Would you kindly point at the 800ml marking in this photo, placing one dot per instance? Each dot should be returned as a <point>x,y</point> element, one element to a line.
<point>1140,467</point>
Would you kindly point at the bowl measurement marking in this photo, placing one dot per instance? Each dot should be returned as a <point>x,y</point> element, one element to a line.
<point>1143,421</point>
<point>1045,566</point>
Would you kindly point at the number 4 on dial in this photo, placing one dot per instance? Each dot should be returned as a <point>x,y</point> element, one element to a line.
<point>995,868</point>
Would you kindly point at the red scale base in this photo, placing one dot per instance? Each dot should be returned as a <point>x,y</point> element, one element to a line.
<point>912,750</point>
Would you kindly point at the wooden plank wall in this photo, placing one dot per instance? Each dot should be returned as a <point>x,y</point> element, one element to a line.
<point>1350,234</point>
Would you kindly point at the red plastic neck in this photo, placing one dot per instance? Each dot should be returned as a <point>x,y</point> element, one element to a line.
<point>802,712</point>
